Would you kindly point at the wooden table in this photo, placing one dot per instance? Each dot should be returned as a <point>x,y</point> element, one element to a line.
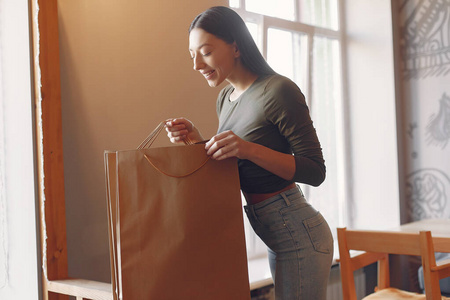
<point>440,230</point>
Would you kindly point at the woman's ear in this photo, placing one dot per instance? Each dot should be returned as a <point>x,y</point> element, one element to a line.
<point>237,53</point>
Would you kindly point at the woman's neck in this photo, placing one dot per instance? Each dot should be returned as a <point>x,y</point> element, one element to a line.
<point>241,81</point>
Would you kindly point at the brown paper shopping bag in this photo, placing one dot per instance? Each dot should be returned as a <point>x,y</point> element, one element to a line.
<point>176,225</point>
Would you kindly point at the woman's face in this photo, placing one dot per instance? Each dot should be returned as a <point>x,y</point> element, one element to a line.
<point>212,57</point>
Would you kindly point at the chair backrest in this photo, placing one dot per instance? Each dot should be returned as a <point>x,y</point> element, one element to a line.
<point>377,245</point>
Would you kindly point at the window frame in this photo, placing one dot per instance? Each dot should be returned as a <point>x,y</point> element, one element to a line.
<point>264,23</point>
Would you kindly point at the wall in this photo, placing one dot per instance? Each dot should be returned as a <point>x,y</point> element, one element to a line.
<point>19,262</point>
<point>423,76</point>
<point>372,114</point>
<point>125,67</point>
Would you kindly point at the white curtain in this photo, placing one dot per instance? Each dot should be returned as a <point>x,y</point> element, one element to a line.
<point>3,231</point>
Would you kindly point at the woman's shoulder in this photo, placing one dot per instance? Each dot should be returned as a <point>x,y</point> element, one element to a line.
<point>283,98</point>
<point>276,83</point>
<point>279,88</point>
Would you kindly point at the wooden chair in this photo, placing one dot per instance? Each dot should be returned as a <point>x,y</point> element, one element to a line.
<point>377,245</point>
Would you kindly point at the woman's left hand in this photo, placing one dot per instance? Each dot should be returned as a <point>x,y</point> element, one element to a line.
<point>227,144</point>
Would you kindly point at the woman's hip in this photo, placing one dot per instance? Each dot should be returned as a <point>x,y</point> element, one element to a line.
<point>287,222</point>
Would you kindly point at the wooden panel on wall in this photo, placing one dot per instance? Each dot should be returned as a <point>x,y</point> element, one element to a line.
<point>49,142</point>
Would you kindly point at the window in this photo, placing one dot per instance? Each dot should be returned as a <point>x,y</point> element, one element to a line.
<point>301,40</point>
<point>19,262</point>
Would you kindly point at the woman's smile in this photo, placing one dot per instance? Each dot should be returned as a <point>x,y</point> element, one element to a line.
<point>208,74</point>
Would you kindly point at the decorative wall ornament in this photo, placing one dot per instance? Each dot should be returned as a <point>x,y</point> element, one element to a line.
<point>425,38</point>
<point>428,194</point>
<point>438,129</point>
<point>411,128</point>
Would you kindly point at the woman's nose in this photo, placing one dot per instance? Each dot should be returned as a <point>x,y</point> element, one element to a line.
<point>198,63</point>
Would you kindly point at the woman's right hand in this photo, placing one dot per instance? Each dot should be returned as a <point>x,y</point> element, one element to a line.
<point>181,129</point>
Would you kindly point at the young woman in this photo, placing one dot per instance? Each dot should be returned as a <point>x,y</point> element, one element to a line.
<point>264,122</point>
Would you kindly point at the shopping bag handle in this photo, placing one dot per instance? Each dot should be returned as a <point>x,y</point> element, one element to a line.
<point>147,143</point>
<point>173,175</point>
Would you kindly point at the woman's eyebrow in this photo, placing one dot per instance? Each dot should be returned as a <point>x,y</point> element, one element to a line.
<point>201,46</point>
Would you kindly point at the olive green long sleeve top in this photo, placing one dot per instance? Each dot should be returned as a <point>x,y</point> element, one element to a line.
<point>273,112</point>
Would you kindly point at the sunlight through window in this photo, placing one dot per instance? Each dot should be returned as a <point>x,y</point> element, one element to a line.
<point>283,9</point>
<point>280,51</point>
<point>234,3</point>
<point>322,13</point>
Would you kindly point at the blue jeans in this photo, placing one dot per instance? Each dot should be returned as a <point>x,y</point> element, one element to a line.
<point>299,242</point>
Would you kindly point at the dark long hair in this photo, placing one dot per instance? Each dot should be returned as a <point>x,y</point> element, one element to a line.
<point>228,26</point>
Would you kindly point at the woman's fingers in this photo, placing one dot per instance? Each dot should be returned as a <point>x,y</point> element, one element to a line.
<point>215,143</point>
<point>179,122</point>
<point>177,129</point>
<point>177,139</point>
<point>217,138</point>
<point>181,129</point>
<point>177,134</point>
<point>225,145</point>
<point>224,153</point>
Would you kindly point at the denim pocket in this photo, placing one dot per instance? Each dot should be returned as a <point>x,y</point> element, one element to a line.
<point>319,233</point>
<point>270,219</point>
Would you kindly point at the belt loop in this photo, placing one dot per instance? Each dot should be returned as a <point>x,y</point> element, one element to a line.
<point>252,211</point>
<point>288,203</point>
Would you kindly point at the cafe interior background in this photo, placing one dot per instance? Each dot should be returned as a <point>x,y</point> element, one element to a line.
<point>377,85</point>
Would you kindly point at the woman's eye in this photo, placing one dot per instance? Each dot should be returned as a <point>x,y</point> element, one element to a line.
<point>207,54</point>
